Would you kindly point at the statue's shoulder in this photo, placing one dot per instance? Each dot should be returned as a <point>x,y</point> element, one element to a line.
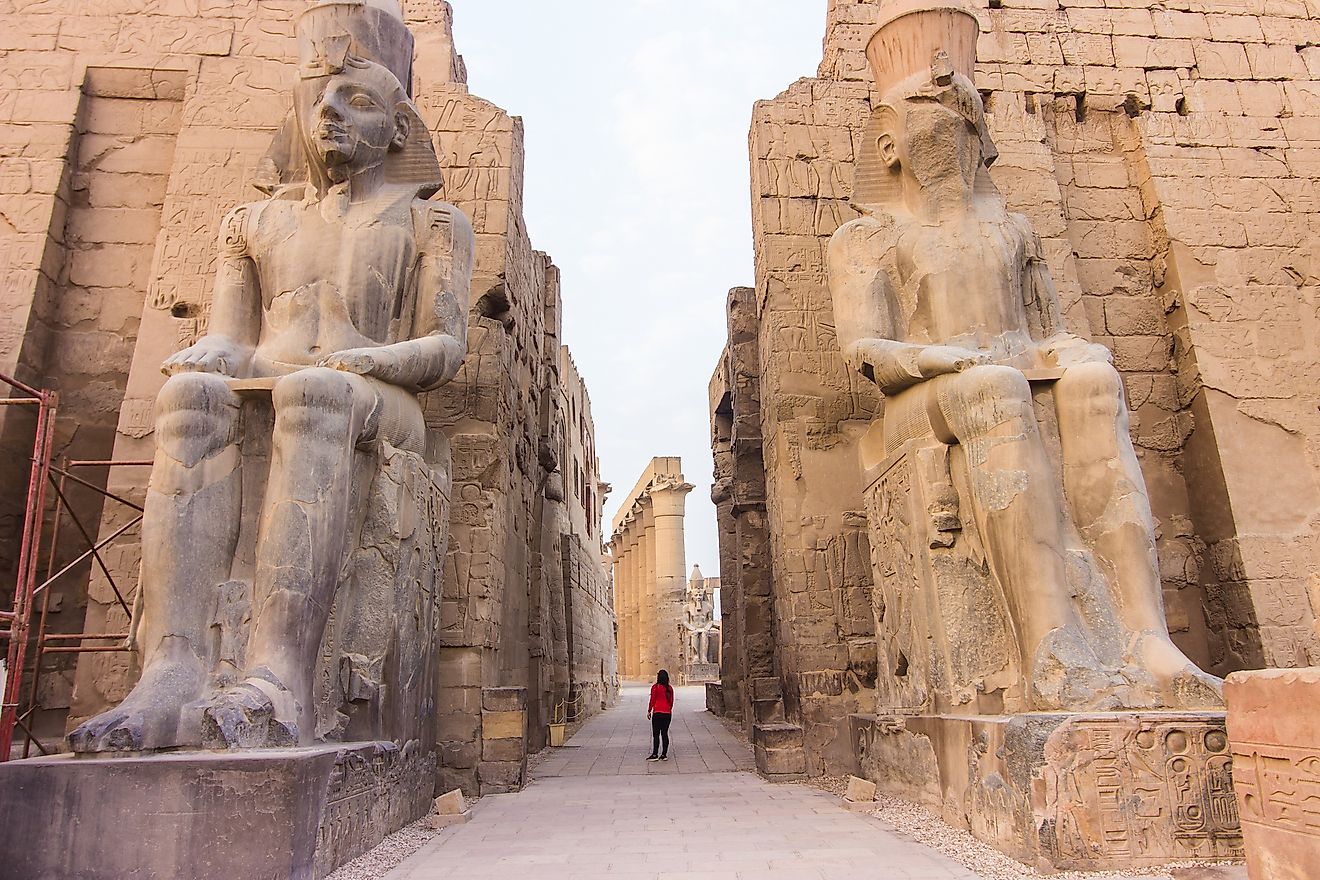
<point>874,233</point>
<point>441,221</point>
<point>240,226</point>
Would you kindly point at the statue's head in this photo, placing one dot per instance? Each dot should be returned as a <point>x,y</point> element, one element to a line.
<point>352,120</point>
<point>929,123</point>
<point>353,108</point>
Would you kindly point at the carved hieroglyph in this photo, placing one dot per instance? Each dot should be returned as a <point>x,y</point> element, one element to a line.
<point>294,529</point>
<point>1035,519</point>
<point>1275,733</point>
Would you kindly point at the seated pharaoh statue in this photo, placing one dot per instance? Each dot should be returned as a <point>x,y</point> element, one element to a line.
<point>943,299</point>
<point>296,485</point>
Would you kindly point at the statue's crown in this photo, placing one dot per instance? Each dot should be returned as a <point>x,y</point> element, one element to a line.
<point>332,31</point>
<point>923,37</point>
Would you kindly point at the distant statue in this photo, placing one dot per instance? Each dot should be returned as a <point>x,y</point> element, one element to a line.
<point>944,300</point>
<point>337,301</point>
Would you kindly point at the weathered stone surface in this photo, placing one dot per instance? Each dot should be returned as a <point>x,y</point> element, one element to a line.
<point>1068,792</point>
<point>1275,734</point>
<point>860,791</point>
<point>295,813</point>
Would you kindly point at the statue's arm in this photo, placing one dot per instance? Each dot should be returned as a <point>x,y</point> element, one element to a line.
<point>1041,296</point>
<point>865,307</point>
<point>437,345</point>
<point>235,319</point>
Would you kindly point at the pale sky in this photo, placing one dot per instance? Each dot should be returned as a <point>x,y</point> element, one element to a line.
<point>636,115</point>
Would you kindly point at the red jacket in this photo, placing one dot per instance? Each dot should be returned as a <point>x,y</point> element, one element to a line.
<point>662,700</point>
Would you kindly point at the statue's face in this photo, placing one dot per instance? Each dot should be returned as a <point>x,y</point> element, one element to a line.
<point>940,147</point>
<point>350,121</point>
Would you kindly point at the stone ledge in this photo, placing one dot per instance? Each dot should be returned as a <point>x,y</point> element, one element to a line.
<point>293,814</point>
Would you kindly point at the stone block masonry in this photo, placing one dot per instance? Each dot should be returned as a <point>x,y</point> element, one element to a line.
<point>126,137</point>
<point>1165,158</point>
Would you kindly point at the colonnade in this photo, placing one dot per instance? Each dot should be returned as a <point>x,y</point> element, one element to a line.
<point>650,576</point>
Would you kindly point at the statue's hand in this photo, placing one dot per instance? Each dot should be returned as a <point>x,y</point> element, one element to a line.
<point>1069,351</point>
<point>360,361</point>
<point>210,354</point>
<point>941,360</point>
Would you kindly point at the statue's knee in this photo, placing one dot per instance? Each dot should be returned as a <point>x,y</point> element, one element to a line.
<point>195,409</point>
<point>193,391</point>
<point>313,400</point>
<point>991,382</point>
<point>1097,387</point>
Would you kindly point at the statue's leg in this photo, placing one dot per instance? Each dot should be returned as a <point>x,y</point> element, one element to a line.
<point>1019,510</point>
<point>320,416</point>
<point>1107,493</point>
<point>189,532</point>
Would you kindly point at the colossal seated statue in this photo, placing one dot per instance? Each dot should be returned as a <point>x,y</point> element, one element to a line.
<point>943,299</point>
<point>296,492</point>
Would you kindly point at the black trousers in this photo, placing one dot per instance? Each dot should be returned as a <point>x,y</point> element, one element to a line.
<point>660,731</point>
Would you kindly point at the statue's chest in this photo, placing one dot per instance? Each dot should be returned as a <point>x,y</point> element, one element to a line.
<point>364,252</point>
<point>973,254</point>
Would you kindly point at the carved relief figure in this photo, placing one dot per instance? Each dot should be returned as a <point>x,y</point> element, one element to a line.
<point>337,301</point>
<point>943,299</point>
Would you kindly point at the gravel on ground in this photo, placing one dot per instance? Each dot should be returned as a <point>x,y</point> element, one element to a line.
<point>389,854</point>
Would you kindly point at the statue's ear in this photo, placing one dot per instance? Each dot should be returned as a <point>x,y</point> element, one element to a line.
<point>886,139</point>
<point>403,122</point>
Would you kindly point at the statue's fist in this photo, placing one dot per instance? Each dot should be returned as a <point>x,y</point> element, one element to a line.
<point>360,361</point>
<point>1069,351</point>
<point>941,360</point>
<point>210,354</point>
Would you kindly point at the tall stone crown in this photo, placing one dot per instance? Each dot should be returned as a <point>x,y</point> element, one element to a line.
<point>913,32</point>
<point>333,31</point>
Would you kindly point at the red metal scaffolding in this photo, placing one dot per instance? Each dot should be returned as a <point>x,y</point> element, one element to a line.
<point>31,591</point>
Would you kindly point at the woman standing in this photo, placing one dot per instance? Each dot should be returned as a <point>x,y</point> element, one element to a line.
<point>661,712</point>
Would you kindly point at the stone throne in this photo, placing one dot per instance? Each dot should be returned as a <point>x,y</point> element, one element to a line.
<point>1027,689</point>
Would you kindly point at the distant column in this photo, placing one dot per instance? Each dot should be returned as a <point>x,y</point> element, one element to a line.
<point>648,590</point>
<point>634,599</point>
<point>668,501</point>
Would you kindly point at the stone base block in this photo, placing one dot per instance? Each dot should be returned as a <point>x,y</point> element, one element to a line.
<point>1094,792</point>
<point>700,673</point>
<point>714,698</point>
<point>1275,731</point>
<point>294,814</point>
<point>779,751</point>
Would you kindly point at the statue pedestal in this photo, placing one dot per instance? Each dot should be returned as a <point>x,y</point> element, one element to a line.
<point>1094,791</point>
<point>294,814</point>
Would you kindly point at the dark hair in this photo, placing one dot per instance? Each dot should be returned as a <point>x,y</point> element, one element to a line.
<point>663,679</point>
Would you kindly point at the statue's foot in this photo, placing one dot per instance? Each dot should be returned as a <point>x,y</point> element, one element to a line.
<point>255,714</point>
<point>151,718</point>
<point>1180,682</point>
<point>1067,676</point>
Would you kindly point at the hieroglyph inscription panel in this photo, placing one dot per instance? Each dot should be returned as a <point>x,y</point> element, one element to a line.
<point>1140,791</point>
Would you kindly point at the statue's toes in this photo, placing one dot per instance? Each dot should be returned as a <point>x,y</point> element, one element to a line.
<point>111,732</point>
<point>125,737</point>
<point>237,719</point>
<point>1194,689</point>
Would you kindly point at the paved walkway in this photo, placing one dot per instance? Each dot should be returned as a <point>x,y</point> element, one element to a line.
<point>596,809</point>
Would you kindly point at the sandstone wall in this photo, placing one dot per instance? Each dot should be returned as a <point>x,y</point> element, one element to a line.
<point>1168,159</point>
<point>126,132</point>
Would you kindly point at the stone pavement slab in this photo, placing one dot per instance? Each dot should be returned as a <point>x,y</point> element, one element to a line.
<point>597,809</point>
